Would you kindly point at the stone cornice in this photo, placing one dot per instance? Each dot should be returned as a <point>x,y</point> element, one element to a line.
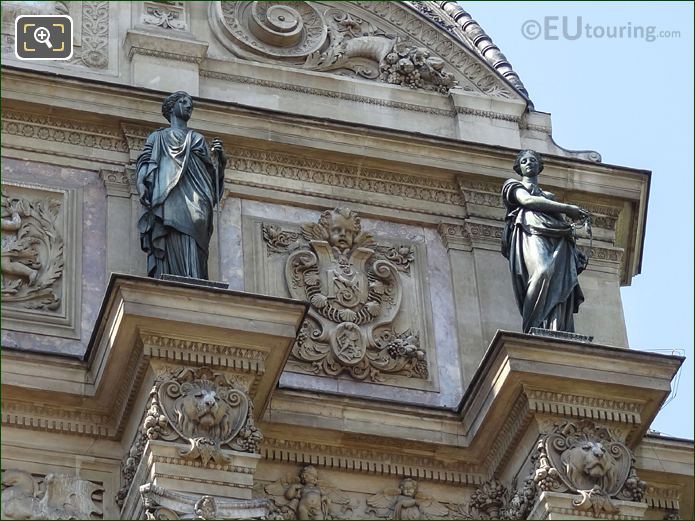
<point>95,397</point>
<point>344,96</point>
<point>371,461</point>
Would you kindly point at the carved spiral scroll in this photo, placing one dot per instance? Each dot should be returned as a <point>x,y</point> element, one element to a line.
<point>269,31</point>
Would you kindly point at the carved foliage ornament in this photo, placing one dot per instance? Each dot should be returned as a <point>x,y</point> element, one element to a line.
<point>316,37</point>
<point>306,496</point>
<point>355,291</point>
<point>55,496</point>
<point>32,252</point>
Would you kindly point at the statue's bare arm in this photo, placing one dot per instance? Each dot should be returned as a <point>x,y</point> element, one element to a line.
<point>541,204</point>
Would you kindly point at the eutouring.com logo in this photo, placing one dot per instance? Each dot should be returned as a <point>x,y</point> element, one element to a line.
<point>575,28</point>
<point>43,37</point>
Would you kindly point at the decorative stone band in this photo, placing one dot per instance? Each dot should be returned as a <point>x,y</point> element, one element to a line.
<point>48,128</point>
<point>371,461</point>
<point>578,406</point>
<point>163,54</point>
<point>343,96</point>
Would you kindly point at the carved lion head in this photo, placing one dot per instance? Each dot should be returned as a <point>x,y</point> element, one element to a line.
<point>201,412</point>
<point>588,463</point>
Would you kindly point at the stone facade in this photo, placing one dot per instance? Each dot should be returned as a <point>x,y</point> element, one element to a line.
<point>379,373</point>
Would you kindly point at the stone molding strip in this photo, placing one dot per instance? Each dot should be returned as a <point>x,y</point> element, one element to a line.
<point>370,461</point>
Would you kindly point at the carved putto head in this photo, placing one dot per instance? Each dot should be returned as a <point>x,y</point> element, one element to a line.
<point>528,153</point>
<point>408,487</point>
<point>309,475</point>
<point>343,227</point>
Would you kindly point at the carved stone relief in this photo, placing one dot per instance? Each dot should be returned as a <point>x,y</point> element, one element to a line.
<point>405,502</point>
<point>198,406</point>
<point>585,458</point>
<point>357,41</point>
<point>167,15</point>
<point>90,27</point>
<point>40,263</point>
<point>161,503</point>
<point>355,288</point>
<point>32,252</point>
<point>54,496</point>
<point>306,496</point>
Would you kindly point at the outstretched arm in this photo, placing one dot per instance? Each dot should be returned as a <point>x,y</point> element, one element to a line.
<point>541,204</point>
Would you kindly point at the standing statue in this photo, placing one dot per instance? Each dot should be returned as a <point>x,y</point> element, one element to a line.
<point>543,256</point>
<point>179,181</point>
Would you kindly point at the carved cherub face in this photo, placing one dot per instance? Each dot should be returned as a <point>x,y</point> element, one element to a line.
<point>309,475</point>
<point>342,232</point>
<point>409,487</point>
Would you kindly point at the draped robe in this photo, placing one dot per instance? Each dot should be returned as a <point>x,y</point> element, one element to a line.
<point>544,262</point>
<point>181,191</point>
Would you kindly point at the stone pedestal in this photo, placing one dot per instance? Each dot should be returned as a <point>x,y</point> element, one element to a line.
<point>162,468</point>
<point>555,505</point>
<point>155,54</point>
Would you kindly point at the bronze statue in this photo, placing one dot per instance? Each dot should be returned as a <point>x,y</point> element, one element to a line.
<point>543,256</point>
<point>179,181</point>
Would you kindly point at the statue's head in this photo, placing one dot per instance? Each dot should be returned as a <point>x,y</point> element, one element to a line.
<point>179,103</point>
<point>528,163</point>
<point>309,475</point>
<point>408,487</point>
<point>343,226</point>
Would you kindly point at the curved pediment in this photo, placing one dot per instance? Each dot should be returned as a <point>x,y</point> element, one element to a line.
<point>421,45</point>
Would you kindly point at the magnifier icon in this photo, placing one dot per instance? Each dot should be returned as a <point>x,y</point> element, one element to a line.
<point>43,35</point>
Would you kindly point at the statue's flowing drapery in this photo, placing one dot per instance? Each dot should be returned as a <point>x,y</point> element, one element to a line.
<point>544,262</point>
<point>182,190</point>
